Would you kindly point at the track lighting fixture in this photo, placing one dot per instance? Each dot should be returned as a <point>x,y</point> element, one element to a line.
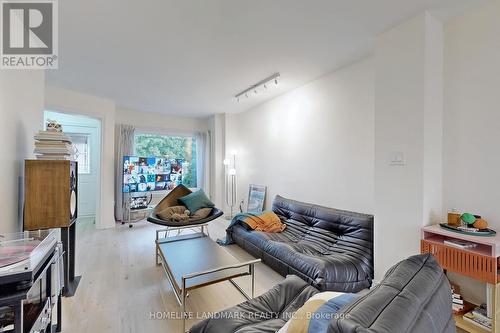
<point>255,88</point>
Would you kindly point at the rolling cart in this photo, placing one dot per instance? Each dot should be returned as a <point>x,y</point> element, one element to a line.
<point>134,205</point>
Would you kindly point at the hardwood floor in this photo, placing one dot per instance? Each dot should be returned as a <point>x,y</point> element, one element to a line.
<point>122,290</point>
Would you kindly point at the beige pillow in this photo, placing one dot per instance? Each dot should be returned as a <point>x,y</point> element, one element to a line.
<point>200,214</point>
<point>166,214</point>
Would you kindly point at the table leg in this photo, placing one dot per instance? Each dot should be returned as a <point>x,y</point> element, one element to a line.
<point>157,255</point>
<point>252,271</point>
<point>183,305</point>
<point>157,247</point>
<point>59,313</point>
<point>68,239</point>
<point>72,249</point>
<point>18,318</point>
<point>65,239</point>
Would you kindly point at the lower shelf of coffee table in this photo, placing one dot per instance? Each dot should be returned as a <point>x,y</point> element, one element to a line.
<point>466,326</point>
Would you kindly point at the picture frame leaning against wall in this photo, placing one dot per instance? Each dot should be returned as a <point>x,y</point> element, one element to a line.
<point>256,198</point>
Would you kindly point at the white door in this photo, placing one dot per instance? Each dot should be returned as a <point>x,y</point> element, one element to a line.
<point>85,134</point>
<point>88,159</point>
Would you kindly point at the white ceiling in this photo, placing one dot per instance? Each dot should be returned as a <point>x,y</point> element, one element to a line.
<point>190,57</point>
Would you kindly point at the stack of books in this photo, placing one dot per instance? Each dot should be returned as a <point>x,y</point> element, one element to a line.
<point>479,318</point>
<point>52,145</point>
<point>460,306</point>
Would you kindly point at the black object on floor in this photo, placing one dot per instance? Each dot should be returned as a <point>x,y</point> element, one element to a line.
<point>70,290</point>
<point>68,238</point>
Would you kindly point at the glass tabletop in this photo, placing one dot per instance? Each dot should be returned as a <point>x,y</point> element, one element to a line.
<point>198,254</point>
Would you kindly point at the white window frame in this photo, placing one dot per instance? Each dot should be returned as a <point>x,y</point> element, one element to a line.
<point>87,153</point>
<point>165,132</point>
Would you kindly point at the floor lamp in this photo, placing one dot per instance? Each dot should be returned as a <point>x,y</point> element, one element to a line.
<point>230,177</point>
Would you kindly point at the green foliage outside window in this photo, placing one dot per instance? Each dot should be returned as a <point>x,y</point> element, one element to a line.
<point>171,147</point>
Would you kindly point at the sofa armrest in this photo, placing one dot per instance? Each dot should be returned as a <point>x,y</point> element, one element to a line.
<point>414,296</point>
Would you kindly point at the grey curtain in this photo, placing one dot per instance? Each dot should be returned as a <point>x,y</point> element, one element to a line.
<point>203,160</point>
<point>124,146</point>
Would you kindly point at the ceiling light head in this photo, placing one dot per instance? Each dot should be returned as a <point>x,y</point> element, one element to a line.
<point>226,161</point>
<point>232,172</point>
<point>255,88</point>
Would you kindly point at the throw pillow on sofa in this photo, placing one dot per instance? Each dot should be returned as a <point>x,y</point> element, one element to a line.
<point>167,213</point>
<point>317,312</point>
<point>200,214</point>
<point>196,200</point>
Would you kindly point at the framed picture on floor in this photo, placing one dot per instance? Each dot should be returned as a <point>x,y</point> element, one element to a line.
<point>256,198</point>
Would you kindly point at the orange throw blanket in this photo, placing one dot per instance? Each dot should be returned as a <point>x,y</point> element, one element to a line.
<point>267,222</point>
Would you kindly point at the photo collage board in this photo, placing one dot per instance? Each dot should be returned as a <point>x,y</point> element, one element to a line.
<point>144,174</point>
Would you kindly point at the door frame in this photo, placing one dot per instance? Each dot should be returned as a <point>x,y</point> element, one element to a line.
<point>98,215</point>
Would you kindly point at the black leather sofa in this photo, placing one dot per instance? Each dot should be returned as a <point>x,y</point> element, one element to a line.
<point>330,249</point>
<point>414,296</point>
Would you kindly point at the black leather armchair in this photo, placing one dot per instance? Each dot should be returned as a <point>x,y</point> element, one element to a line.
<point>413,297</point>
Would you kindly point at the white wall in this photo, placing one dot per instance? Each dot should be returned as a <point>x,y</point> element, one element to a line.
<point>68,101</point>
<point>408,121</point>
<point>313,144</point>
<point>472,113</point>
<point>217,125</point>
<point>156,121</point>
<point>21,108</point>
<point>472,119</point>
<point>433,121</point>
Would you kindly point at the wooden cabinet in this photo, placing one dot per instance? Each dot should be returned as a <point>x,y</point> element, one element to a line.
<point>50,194</point>
<point>481,263</point>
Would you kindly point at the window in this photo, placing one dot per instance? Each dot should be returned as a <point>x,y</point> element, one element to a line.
<point>179,148</point>
<point>81,144</point>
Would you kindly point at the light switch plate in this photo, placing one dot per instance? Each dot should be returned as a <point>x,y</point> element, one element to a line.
<point>397,159</point>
